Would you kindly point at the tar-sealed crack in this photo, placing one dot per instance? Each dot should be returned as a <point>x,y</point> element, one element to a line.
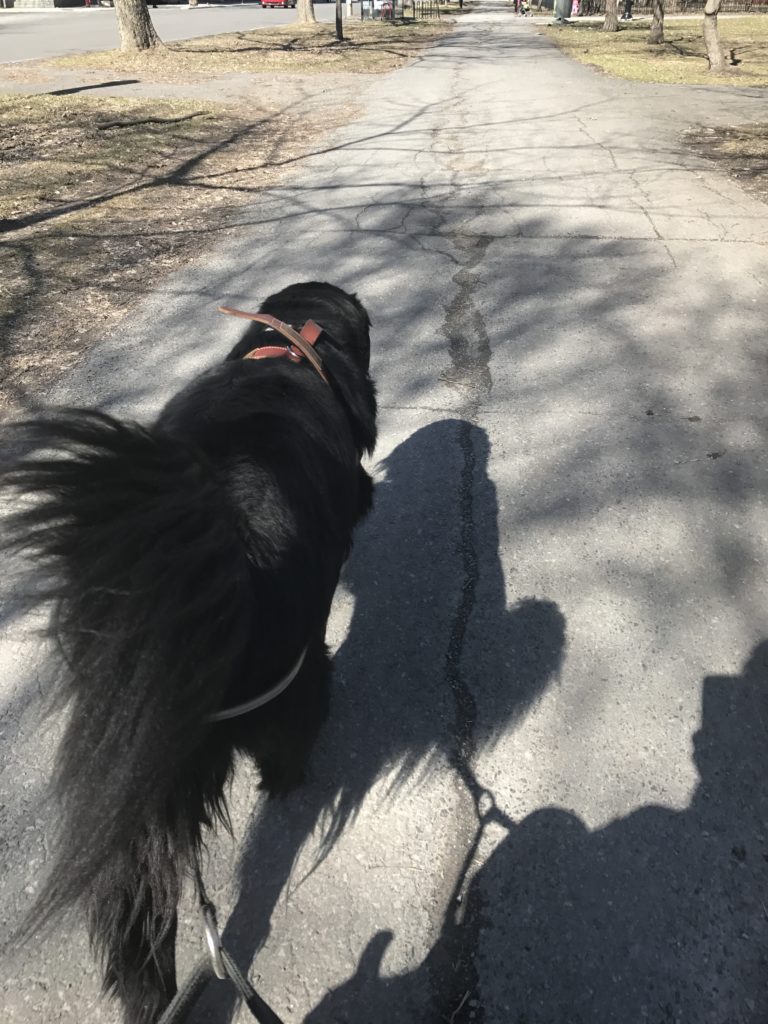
<point>452,968</point>
<point>452,971</point>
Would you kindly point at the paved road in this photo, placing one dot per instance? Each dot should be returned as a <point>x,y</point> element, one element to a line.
<point>25,35</point>
<point>548,742</point>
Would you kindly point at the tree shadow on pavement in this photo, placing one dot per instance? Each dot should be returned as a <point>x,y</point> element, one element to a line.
<point>660,916</point>
<point>399,708</point>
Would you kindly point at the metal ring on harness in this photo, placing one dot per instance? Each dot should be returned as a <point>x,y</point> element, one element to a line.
<point>213,941</point>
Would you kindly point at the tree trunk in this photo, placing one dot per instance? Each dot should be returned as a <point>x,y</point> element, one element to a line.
<point>712,36</point>
<point>136,29</point>
<point>306,11</point>
<point>339,23</point>
<point>656,35</point>
<point>611,23</point>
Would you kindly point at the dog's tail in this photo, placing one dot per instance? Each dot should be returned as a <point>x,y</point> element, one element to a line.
<point>140,555</point>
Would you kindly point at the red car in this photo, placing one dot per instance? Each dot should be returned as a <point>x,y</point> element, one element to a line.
<point>278,3</point>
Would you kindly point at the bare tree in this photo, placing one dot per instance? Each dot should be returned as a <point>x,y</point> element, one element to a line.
<point>611,23</point>
<point>339,23</point>
<point>306,11</point>
<point>136,29</point>
<point>712,36</point>
<point>656,35</point>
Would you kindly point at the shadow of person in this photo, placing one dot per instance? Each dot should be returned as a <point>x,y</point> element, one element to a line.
<point>396,707</point>
<point>659,917</point>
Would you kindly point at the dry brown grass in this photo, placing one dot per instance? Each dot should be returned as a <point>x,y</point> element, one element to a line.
<point>370,48</point>
<point>681,60</point>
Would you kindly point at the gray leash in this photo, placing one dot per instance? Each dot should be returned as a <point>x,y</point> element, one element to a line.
<point>218,964</point>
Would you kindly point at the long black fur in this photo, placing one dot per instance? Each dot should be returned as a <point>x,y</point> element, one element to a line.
<point>188,564</point>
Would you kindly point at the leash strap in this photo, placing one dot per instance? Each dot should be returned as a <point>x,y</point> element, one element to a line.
<point>186,998</point>
<point>260,1010</point>
<point>219,964</point>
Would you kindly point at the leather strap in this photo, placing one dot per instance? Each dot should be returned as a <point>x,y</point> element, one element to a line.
<point>301,342</point>
<point>271,351</point>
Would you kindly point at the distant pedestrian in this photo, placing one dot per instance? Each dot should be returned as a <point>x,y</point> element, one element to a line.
<point>627,13</point>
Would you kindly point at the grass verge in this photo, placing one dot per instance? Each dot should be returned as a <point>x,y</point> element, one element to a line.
<point>369,48</point>
<point>680,60</point>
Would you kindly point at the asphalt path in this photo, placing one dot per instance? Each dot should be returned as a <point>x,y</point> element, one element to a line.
<point>542,785</point>
<point>28,34</point>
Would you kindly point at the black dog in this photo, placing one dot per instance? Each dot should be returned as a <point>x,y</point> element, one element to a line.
<point>191,568</point>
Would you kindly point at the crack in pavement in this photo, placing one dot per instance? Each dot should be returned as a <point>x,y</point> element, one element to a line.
<point>452,971</point>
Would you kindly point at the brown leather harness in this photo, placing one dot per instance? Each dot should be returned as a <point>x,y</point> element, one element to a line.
<point>301,342</point>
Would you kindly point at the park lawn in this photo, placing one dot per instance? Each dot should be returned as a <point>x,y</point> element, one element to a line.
<point>368,48</point>
<point>680,60</point>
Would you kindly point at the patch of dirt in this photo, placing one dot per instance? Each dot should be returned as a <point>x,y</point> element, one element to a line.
<point>742,150</point>
<point>107,184</point>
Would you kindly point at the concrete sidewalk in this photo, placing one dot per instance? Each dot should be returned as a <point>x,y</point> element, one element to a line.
<point>549,742</point>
